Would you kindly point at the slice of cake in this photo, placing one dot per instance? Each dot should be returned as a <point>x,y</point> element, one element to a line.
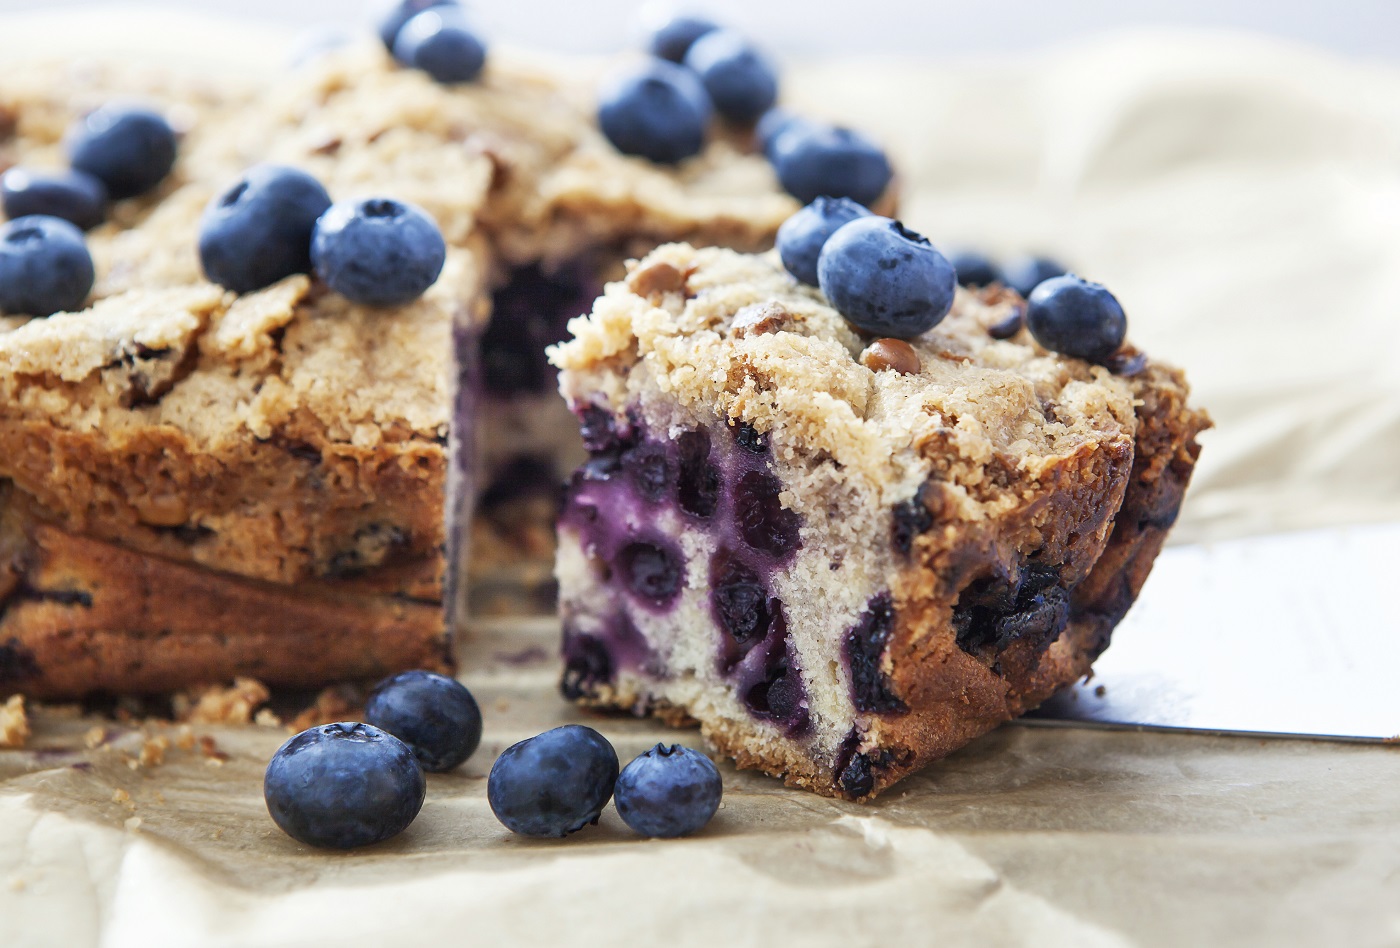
<point>200,485</point>
<point>846,556</point>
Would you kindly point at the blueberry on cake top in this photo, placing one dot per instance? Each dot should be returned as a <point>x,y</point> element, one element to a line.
<point>845,556</point>
<point>200,483</point>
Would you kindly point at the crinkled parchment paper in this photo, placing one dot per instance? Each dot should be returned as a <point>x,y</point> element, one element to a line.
<point>1243,200</point>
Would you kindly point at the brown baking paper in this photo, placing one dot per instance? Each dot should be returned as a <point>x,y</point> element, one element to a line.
<point>1242,198</point>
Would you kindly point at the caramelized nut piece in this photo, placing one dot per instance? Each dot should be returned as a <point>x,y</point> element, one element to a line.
<point>656,278</point>
<point>891,354</point>
<point>759,318</point>
<point>162,510</point>
<point>326,143</point>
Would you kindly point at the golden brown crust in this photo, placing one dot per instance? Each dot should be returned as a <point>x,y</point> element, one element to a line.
<point>286,510</point>
<point>84,616</point>
<point>955,698</point>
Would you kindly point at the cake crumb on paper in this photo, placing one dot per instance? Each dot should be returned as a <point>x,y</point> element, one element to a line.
<point>153,751</point>
<point>217,704</point>
<point>210,749</point>
<point>336,703</point>
<point>14,723</point>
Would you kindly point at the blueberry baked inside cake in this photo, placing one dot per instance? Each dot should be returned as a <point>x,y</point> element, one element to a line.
<point>847,529</point>
<point>215,467</point>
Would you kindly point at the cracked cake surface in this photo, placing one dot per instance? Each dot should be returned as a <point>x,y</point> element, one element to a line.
<point>286,440</point>
<point>845,567</point>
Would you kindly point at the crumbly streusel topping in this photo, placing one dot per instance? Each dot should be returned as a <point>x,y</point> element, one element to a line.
<point>510,167</point>
<point>742,338</point>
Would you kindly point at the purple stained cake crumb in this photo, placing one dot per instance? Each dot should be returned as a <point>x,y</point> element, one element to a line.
<point>593,658</point>
<point>740,600</point>
<point>763,522</point>
<point>523,459</point>
<point>720,487</point>
<point>698,491</point>
<point>652,569</point>
<point>529,313</point>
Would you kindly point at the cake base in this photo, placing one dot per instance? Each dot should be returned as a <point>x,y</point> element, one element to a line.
<point>80,616</point>
<point>842,571</point>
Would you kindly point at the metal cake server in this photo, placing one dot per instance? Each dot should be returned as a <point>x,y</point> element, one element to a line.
<point>1291,634</point>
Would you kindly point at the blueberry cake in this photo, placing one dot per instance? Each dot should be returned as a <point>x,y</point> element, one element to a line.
<point>845,556</point>
<point>199,484</point>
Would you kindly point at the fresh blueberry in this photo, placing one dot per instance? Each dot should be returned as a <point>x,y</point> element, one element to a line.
<point>343,785</point>
<point>673,39</point>
<point>741,81</point>
<point>259,230</point>
<point>775,122</point>
<point>813,160</point>
<point>78,198</point>
<point>45,267</point>
<point>801,237</point>
<point>393,14</point>
<point>1072,316</point>
<point>668,792</point>
<point>974,268</point>
<point>657,110</point>
<point>553,784</point>
<point>443,44</point>
<point>1026,273</point>
<point>129,148</point>
<point>436,716</point>
<point>886,279</point>
<point>377,251</point>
